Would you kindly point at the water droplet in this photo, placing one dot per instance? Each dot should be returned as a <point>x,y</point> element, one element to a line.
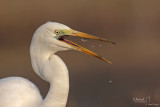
<point>84,40</point>
<point>110,81</point>
<point>100,45</point>
<point>92,46</point>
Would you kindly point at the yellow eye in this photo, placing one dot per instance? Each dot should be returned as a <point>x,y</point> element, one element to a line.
<point>57,32</point>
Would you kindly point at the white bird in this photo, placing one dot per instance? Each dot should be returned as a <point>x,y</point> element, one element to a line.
<point>47,40</point>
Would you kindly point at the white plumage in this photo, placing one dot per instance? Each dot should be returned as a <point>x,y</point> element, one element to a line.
<point>47,40</point>
<point>18,92</point>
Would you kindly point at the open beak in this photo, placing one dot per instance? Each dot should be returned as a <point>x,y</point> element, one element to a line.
<point>70,32</point>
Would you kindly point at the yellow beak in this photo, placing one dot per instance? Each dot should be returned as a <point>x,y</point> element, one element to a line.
<point>67,32</point>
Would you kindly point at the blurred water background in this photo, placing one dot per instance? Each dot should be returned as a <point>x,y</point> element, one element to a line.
<point>133,24</point>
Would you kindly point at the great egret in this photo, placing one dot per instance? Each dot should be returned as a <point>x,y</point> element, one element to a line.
<point>47,40</point>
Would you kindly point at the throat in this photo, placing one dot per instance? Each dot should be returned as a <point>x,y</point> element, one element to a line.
<point>53,70</point>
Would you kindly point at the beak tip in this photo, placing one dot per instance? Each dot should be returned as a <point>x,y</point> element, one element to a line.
<point>109,62</point>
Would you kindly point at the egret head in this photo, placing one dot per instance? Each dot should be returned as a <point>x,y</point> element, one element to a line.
<point>52,36</point>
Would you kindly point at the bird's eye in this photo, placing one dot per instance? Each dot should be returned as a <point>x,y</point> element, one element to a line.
<point>57,32</point>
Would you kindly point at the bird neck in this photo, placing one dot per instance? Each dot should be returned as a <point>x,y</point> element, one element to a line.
<point>52,69</point>
<point>59,85</point>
